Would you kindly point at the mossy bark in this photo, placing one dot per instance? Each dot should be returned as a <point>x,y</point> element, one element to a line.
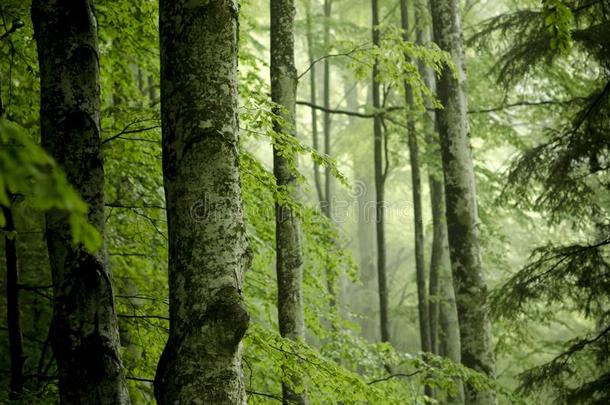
<point>201,362</point>
<point>289,257</point>
<point>85,333</point>
<point>461,206</point>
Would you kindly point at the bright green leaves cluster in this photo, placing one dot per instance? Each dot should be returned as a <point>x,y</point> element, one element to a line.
<point>27,172</point>
<point>398,63</point>
<point>559,20</point>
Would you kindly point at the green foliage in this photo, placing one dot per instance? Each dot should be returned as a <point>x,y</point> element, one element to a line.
<point>28,173</point>
<point>558,20</point>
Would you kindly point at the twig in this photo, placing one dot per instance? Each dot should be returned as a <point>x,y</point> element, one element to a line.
<point>396,375</point>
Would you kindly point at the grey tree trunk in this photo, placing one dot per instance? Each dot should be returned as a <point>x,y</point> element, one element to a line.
<point>449,327</point>
<point>461,206</point>
<point>313,95</point>
<point>207,246</point>
<point>85,333</point>
<point>379,189</point>
<point>289,258</point>
<point>327,207</point>
<point>422,37</point>
<point>420,265</point>
<point>328,178</point>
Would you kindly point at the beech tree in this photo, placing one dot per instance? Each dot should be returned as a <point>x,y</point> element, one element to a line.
<point>380,175</point>
<point>207,246</point>
<point>85,335</point>
<point>416,191</point>
<point>461,204</point>
<point>289,256</point>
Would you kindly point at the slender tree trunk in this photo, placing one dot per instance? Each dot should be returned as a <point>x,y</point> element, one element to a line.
<point>289,258</point>
<point>446,327</point>
<point>328,178</point>
<point>422,34</point>
<point>207,246</point>
<point>85,333</point>
<point>152,91</point>
<point>327,207</point>
<point>13,316</point>
<point>420,266</point>
<point>461,206</point>
<point>379,189</point>
<point>313,95</point>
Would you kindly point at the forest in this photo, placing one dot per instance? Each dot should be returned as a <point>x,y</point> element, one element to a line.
<point>305,202</point>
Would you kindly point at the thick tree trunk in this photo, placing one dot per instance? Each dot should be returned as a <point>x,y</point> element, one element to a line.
<point>420,266</point>
<point>461,206</point>
<point>289,258</point>
<point>85,332</point>
<point>313,95</point>
<point>207,246</point>
<point>379,189</point>
<point>13,316</point>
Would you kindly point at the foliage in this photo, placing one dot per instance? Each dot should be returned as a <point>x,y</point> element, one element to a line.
<point>28,173</point>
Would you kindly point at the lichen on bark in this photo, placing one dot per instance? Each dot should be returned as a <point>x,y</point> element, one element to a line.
<point>85,335</point>
<point>289,257</point>
<point>201,363</point>
<point>461,206</point>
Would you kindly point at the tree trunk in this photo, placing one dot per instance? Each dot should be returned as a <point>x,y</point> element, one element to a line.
<point>13,316</point>
<point>207,246</point>
<point>312,94</point>
<point>85,332</point>
<point>327,208</point>
<point>422,292</point>
<point>289,258</point>
<point>461,206</point>
<point>379,188</point>
<point>443,306</point>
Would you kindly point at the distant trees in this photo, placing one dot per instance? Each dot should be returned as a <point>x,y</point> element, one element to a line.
<point>207,246</point>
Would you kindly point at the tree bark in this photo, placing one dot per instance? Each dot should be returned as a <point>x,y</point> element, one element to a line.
<point>313,95</point>
<point>13,316</point>
<point>327,207</point>
<point>289,257</point>
<point>420,266</point>
<point>461,206</point>
<point>207,246</point>
<point>379,188</point>
<point>85,333</point>
<point>328,178</point>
